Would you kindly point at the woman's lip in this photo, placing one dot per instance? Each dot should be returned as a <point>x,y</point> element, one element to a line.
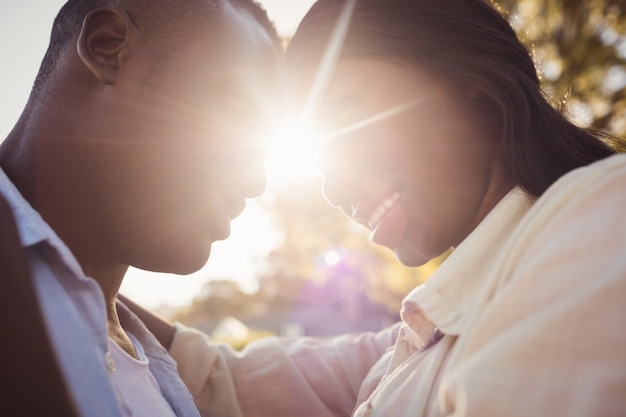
<point>369,211</point>
<point>381,209</point>
<point>391,227</point>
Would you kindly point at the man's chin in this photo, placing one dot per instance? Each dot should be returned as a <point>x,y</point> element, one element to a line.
<point>182,262</point>
<point>222,232</point>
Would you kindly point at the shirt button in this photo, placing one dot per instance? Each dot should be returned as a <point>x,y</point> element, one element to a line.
<point>110,362</point>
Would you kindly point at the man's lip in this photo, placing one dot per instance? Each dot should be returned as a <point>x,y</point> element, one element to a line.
<point>236,207</point>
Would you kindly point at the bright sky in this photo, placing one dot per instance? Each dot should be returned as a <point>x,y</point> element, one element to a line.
<point>24,33</point>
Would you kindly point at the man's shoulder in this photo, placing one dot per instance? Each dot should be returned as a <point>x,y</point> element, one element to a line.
<point>29,351</point>
<point>30,225</point>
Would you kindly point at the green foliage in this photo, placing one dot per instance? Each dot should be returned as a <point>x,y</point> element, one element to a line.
<point>579,47</point>
<point>219,299</point>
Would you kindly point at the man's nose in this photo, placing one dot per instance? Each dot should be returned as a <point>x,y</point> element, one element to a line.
<point>254,179</point>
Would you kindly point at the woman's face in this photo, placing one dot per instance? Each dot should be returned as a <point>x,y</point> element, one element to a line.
<point>409,155</point>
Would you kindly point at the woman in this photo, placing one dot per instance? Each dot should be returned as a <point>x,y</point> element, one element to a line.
<point>438,136</point>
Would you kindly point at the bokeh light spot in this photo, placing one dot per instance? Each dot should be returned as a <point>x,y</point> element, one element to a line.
<point>332,257</point>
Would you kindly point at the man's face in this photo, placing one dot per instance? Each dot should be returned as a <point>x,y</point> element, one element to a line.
<point>188,155</point>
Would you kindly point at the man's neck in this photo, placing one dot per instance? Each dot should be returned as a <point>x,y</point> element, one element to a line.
<point>110,279</point>
<point>117,333</point>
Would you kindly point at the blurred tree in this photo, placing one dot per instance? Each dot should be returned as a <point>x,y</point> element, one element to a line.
<point>219,299</point>
<point>322,244</point>
<point>579,47</point>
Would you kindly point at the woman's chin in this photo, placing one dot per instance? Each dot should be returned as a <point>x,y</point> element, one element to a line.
<point>412,256</point>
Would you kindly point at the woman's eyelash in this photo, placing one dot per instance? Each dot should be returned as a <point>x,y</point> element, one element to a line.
<point>346,108</point>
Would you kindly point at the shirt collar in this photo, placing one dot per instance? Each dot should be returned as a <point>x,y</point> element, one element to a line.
<point>445,300</point>
<point>32,228</point>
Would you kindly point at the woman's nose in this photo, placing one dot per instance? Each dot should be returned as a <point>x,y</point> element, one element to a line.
<point>338,186</point>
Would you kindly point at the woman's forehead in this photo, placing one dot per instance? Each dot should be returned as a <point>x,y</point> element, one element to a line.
<point>369,74</point>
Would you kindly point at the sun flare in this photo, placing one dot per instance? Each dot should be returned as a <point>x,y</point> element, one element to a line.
<point>294,149</point>
<point>293,152</point>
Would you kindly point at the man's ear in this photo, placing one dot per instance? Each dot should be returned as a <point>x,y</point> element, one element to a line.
<point>104,35</point>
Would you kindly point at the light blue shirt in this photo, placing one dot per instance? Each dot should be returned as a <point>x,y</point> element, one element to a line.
<point>74,312</point>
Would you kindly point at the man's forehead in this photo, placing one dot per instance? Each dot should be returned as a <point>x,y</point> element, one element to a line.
<point>242,31</point>
<point>245,51</point>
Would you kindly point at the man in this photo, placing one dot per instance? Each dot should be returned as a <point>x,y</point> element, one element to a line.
<point>136,147</point>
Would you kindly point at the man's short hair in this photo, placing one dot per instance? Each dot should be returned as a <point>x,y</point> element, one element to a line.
<point>167,20</point>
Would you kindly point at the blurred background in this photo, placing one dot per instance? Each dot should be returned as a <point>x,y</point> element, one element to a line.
<point>293,265</point>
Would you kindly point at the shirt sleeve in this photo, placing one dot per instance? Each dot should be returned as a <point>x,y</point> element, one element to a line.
<point>276,377</point>
<point>551,340</point>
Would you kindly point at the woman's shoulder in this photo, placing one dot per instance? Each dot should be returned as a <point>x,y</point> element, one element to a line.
<point>606,169</point>
<point>599,181</point>
<point>577,225</point>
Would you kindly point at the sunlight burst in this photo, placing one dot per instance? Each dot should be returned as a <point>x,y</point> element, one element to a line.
<point>293,153</point>
<point>329,60</point>
<point>294,149</point>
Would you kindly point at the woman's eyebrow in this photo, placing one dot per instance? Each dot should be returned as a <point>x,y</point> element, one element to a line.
<point>338,78</point>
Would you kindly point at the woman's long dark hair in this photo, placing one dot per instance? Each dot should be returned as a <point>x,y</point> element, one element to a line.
<point>472,43</point>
